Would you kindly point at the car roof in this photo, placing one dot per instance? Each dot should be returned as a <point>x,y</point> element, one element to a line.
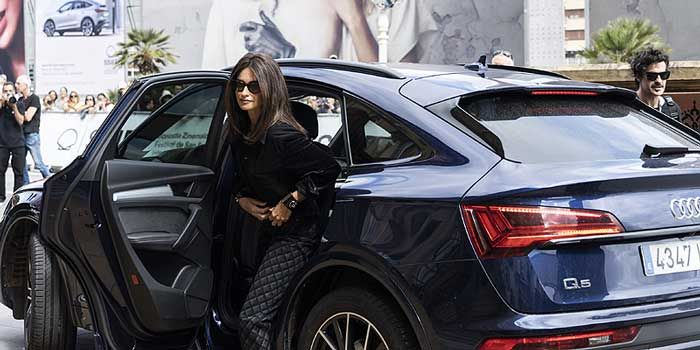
<point>426,84</point>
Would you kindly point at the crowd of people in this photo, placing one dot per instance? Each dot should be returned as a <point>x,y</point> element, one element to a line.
<point>72,102</point>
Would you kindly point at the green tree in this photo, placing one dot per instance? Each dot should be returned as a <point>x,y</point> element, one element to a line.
<point>145,50</point>
<point>622,38</point>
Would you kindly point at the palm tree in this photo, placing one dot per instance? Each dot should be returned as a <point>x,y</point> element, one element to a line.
<point>622,38</point>
<point>145,50</point>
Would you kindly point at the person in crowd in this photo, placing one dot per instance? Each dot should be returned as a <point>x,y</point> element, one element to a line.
<point>651,73</point>
<point>48,104</point>
<point>11,137</point>
<point>121,89</point>
<point>502,57</point>
<point>63,98</point>
<point>103,103</point>
<point>32,122</point>
<point>90,105</point>
<point>53,95</point>
<point>3,79</point>
<point>12,62</point>
<point>73,104</point>
<point>165,97</point>
<point>280,174</point>
<point>49,101</point>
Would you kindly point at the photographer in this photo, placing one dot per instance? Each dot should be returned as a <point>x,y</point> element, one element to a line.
<point>11,137</point>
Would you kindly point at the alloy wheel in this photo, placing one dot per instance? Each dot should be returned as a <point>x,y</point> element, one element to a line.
<point>28,312</point>
<point>87,27</point>
<point>348,331</point>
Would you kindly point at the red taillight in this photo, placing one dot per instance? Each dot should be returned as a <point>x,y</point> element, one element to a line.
<point>561,342</point>
<point>100,10</point>
<point>498,230</point>
<point>564,92</point>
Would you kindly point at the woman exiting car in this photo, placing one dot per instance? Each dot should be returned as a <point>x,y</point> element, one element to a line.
<point>279,174</point>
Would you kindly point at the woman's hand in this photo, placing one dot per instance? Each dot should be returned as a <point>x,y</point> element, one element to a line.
<point>280,214</point>
<point>254,207</point>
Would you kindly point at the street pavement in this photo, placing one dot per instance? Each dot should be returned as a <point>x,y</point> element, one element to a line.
<point>11,330</point>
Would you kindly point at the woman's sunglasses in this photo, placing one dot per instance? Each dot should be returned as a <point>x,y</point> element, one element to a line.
<point>253,86</point>
<point>651,76</point>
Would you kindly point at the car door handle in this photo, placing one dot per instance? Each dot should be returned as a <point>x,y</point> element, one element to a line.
<point>345,200</point>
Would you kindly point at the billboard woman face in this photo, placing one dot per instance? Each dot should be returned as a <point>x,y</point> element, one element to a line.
<point>10,11</point>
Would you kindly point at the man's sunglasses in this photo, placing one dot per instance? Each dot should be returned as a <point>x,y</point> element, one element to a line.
<point>652,75</point>
<point>502,52</point>
<point>253,86</point>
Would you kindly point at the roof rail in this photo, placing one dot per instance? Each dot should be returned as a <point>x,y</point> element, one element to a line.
<point>526,70</point>
<point>359,67</point>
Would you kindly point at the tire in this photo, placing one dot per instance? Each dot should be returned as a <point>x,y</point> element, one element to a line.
<point>47,324</point>
<point>363,309</point>
<point>49,28</point>
<point>87,26</point>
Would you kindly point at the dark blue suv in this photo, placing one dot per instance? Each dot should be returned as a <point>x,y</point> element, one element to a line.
<point>478,208</point>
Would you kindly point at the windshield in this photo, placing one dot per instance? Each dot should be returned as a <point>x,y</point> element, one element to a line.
<point>544,129</point>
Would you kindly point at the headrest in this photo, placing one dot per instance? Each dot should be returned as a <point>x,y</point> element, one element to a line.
<point>306,116</point>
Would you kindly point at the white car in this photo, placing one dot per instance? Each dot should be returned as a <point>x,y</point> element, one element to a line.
<point>85,16</point>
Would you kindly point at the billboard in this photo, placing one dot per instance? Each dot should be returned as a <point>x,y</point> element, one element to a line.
<point>12,39</point>
<point>427,31</point>
<point>75,44</point>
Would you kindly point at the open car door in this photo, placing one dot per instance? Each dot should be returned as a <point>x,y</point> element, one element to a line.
<point>132,217</point>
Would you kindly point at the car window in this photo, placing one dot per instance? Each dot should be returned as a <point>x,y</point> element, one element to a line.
<point>328,115</point>
<point>375,137</point>
<point>171,123</point>
<point>66,7</point>
<point>541,129</point>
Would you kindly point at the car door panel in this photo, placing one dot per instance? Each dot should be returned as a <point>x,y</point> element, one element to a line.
<point>139,229</point>
<point>151,220</point>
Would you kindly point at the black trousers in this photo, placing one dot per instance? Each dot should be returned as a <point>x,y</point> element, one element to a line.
<point>18,163</point>
<point>286,255</point>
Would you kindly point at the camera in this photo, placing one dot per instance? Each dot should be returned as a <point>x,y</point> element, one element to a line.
<point>10,98</point>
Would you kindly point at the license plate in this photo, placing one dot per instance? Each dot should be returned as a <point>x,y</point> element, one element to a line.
<point>665,258</point>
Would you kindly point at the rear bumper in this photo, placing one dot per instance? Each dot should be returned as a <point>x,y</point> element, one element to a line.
<point>462,309</point>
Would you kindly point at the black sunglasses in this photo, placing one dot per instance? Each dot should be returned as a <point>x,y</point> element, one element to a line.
<point>253,86</point>
<point>653,75</point>
<point>502,52</point>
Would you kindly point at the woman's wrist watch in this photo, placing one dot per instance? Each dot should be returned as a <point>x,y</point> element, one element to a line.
<point>290,202</point>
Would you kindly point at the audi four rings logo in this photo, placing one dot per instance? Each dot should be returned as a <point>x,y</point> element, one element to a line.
<point>685,208</point>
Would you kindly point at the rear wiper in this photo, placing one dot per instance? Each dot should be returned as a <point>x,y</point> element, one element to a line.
<point>654,151</point>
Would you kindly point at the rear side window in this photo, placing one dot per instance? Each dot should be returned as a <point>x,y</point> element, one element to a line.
<point>544,129</point>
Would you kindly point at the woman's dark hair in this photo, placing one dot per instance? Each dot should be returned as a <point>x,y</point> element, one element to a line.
<point>645,58</point>
<point>90,96</point>
<point>273,96</point>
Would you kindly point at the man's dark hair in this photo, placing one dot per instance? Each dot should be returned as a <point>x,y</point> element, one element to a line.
<point>645,58</point>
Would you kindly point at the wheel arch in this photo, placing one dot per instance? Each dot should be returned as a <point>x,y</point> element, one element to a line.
<point>23,221</point>
<point>14,255</point>
<point>345,267</point>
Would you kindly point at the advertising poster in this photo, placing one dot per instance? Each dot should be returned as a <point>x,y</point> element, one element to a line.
<point>12,38</point>
<point>346,29</point>
<point>75,45</point>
